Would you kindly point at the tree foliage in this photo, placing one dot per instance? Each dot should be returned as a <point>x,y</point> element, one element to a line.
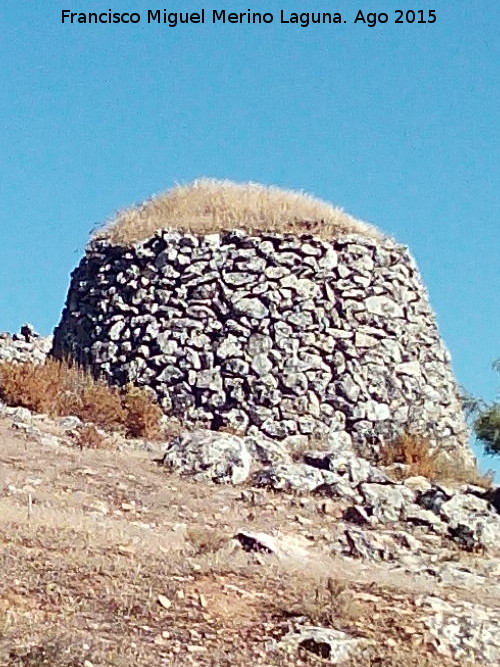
<point>487,428</point>
<point>486,424</point>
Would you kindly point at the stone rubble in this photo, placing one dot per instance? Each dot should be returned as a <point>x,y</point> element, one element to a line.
<point>291,335</point>
<point>282,546</point>
<point>415,525</point>
<point>25,346</point>
<point>293,477</point>
<point>464,516</point>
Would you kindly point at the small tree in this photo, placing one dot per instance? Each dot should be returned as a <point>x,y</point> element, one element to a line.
<point>487,429</point>
<point>486,424</point>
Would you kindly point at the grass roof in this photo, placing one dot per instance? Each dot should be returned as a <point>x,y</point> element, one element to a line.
<point>208,206</point>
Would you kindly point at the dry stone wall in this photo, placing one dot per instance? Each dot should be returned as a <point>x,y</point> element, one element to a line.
<point>24,347</point>
<point>289,334</point>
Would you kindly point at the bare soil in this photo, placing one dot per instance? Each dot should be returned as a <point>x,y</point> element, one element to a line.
<point>107,559</point>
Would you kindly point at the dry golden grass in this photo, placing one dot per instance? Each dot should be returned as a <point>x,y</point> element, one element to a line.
<point>205,541</point>
<point>142,415</point>
<point>414,451</point>
<point>56,389</point>
<point>88,437</point>
<point>447,471</point>
<point>421,458</point>
<point>116,564</point>
<point>325,602</point>
<point>207,206</point>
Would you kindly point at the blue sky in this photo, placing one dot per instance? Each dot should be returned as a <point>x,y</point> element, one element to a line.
<point>398,124</point>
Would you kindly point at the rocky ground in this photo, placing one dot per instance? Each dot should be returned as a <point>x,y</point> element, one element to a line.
<point>109,557</point>
<point>215,549</point>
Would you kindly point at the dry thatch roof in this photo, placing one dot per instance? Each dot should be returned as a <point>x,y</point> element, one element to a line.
<point>207,206</point>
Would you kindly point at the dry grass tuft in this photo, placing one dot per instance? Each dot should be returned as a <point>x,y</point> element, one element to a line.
<point>142,415</point>
<point>88,437</point>
<point>329,603</point>
<point>421,458</point>
<point>56,389</point>
<point>451,472</point>
<point>414,451</point>
<point>207,206</point>
<point>98,403</point>
<point>54,652</point>
<point>205,541</point>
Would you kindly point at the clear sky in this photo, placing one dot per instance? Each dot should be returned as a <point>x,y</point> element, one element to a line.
<point>399,124</point>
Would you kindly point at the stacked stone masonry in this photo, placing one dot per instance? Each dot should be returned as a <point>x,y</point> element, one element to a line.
<point>289,334</point>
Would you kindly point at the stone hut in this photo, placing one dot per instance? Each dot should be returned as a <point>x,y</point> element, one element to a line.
<point>241,306</point>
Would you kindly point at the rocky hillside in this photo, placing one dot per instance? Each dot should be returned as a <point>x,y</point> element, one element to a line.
<point>217,549</point>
